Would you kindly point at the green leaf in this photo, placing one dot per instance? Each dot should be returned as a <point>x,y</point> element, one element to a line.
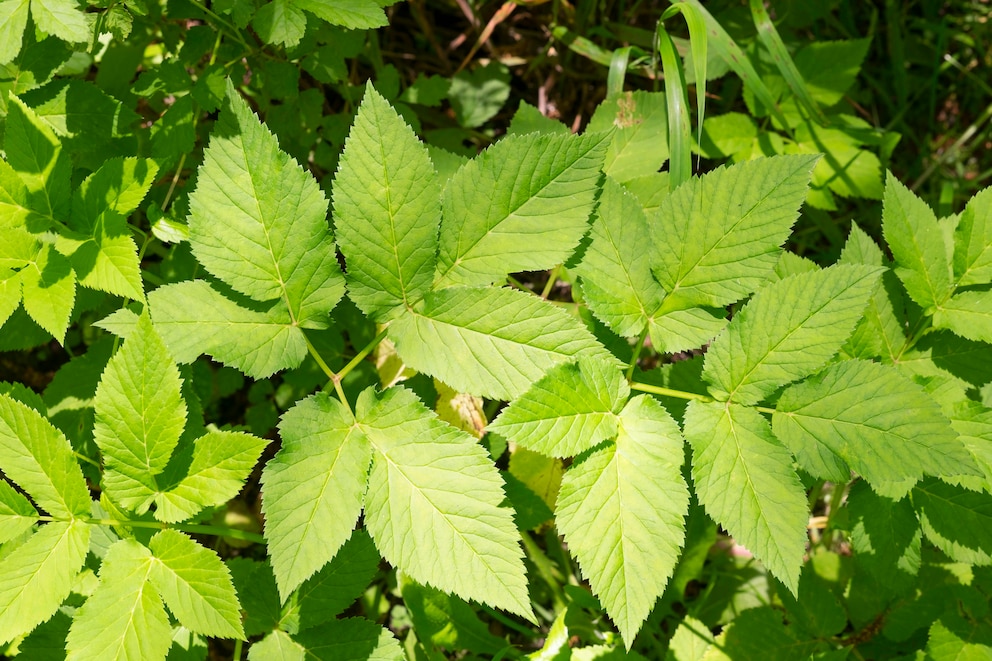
<point>312,490</point>
<point>434,493</point>
<point>387,210</point>
<point>350,639</point>
<point>724,229</point>
<point>490,342</point>
<point>968,314</point>
<point>478,94</point>
<point>15,210</point>
<point>61,18</point>
<point>222,461</point>
<point>788,330</point>
<point>447,621</point>
<point>622,512</point>
<point>955,638</point>
<point>500,219</point>
<point>690,641</point>
<point>639,122</point>
<point>915,240</point>
<point>886,537</point>
<point>973,241</point>
<point>280,22</point>
<point>49,287</point>
<point>194,318</point>
<point>829,68</point>
<point>957,521</point>
<point>195,585</point>
<point>681,330</point>
<point>759,634</point>
<point>38,458</point>
<point>17,515</point>
<point>274,242</point>
<point>745,479</point>
<point>615,270</point>
<point>37,576</point>
<point>974,424</point>
<point>870,418</point>
<point>277,646</point>
<point>124,618</point>
<point>354,14</point>
<point>105,257</point>
<point>13,20</point>
<point>35,154</point>
<point>140,415</point>
<point>569,410</point>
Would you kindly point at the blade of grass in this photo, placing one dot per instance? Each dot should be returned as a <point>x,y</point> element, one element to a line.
<point>618,71</point>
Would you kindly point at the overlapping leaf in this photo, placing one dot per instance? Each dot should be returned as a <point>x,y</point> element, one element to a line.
<point>571,409</point>
<point>35,153</point>
<point>958,521</point>
<point>788,330</point>
<point>490,342</point>
<point>719,236</point>
<point>973,241</point>
<point>744,477</point>
<point>432,506</point>
<point>622,509</point>
<point>885,535</point>
<point>387,210</point>
<point>522,205</point>
<point>313,488</point>
<point>867,417</point>
<point>17,514</point>
<point>968,314</point>
<point>639,145</point>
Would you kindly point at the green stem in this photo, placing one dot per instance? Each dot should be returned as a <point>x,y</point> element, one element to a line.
<point>669,392</point>
<point>550,284</point>
<point>325,368</point>
<point>360,356</point>
<point>237,649</point>
<point>193,528</point>
<point>83,457</point>
<point>637,353</point>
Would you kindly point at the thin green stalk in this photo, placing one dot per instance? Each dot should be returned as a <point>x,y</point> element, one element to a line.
<point>637,354</point>
<point>360,356</point>
<point>550,284</point>
<point>237,648</point>
<point>325,368</point>
<point>669,392</point>
<point>218,531</point>
<point>507,622</point>
<point>84,458</point>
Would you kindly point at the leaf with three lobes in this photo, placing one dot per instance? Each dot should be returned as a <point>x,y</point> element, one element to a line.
<point>617,284</point>
<point>490,342</point>
<point>721,234</point>
<point>222,461</point>
<point>973,241</point>
<point>37,576</point>
<point>521,205</point>
<point>196,585</point>
<point>35,154</point>
<point>194,318</point>
<point>313,489</point>
<point>968,314</point>
<point>957,521</point>
<point>387,209</point>
<point>622,512</point>
<point>258,221</point>
<point>17,514</point>
<point>863,416</point>
<point>140,415</point>
<point>915,239</point>
<point>790,329</point>
<point>745,480</point>
<point>433,504</point>
<point>124,618</point>
<point>569,410</point>
<point>38,458</point>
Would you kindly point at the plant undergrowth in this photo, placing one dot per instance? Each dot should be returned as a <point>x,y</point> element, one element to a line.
<point>341,331</point>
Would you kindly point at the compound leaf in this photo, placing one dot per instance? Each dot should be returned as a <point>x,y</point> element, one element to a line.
<point>38,458</point>
<point>522,205</point>
<point>744,477</point>
<point>788,330</point>
<point>274,242</point>
<point>387,210</point>
<point>194,318</point>
<point>195,585</point>
<point>870,418</point>
<point>633,495</point>
<point>124,618</point>
<point>490,342</point>
<point>312,490</point>
<point>433,504</point>
<point>724,229</point>
<point>615,270</point>
<point>569,410</point>
<point>915,239</point>
<point>140,414</point>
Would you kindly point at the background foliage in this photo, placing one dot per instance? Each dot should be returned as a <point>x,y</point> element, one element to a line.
<point>510,429</point>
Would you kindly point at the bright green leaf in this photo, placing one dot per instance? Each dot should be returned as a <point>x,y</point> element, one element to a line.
<point>49,287</point>
<point>571,409</point>
<point>17,515</point>
<point>35,154</point>
<point>195,585</point>
<point>13,20</point>
<point>956,638</point>
<point>968,314</point>
<point>354,14</point>
<point>62,18</point>
<point>280,22</point>
<point>788,330</point>
<point>432,506</point>
<point>639,121</point>
<point>312,490</point>
<point>973,241</point>
<point>387,210</point>
<point>277,646</point>
<point>522,205</point>
<point>622,512</point>
<point>745,479</point>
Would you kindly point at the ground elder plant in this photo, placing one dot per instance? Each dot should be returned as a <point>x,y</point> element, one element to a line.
<point>528,473</point>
